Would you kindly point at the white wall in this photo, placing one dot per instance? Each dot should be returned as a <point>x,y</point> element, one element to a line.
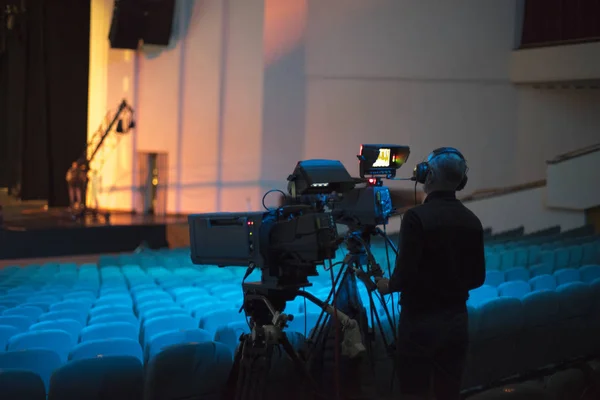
<point>525,208</point>
<point>250,87</point>
<point>573,183</point>
<point>199,100</point>
<point>428,73</point>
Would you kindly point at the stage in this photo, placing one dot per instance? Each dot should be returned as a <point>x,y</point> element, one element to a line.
<point>34,231</point>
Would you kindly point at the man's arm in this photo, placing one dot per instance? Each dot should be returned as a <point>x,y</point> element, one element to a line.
<point>410,250</point>
<point>478,270</point>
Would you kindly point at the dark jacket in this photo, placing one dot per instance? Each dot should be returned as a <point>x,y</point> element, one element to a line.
<point>441,255</point>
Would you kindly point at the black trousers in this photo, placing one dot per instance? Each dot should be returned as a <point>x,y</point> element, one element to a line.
<point>431,352</point>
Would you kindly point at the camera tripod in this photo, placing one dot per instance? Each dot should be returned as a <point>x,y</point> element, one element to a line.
<point>264,303</point>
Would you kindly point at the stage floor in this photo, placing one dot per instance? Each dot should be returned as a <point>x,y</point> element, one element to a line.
<point>43,218</point>
<point>31,230</point>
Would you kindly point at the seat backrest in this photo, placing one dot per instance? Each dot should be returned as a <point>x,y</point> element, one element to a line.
<point>51,339</point>
<point>31,312</point>
<point>109,309</point>
<point>516,289</point>
<point>540,308</point>
<point>564,276</point>
<point>21,322</point>
<point>517,274</point>
<point>117,377</point>
<point>117,317</point>
<point>575,299</point>
<point>171,338</point>
<point>158,325</point>
<point>15,384</point>
<point>109,330</point>
<point>589,273</point>
<point>494,278</point>
<point>6,332</point>
<point>500,317</point>
<point>107,347</point>
<point>212,320</point>
<point>198,370</point>
<point>70,326</point>
<point>543,282</point>
<point>80,316</point>
<point>481,294</point>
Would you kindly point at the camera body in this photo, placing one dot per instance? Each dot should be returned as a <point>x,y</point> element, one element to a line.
<point>288,243</point>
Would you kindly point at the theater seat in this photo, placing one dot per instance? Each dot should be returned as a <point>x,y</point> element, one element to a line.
<point>494,278</point>
<point>538,341</point>
<point>21,385</point>
<point>166,339</point>
<point>39,361</point>
<point>565,276</point>
<point>516,274</point>
<point>516,289</point>
<point>542,282</point>
<point>495,348</point>
<point>575,308</point>
<point>100,378</point>
<point>197,371</point>
<point>589,273</point>
<point>107,347</point>
<point>52,339</point>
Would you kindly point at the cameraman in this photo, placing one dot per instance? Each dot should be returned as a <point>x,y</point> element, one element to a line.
<point>441,257</point>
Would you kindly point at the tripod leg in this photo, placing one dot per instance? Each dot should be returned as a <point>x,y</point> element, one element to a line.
<point>300,366</point>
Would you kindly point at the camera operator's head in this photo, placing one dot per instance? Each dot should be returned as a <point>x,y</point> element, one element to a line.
<point>444,170</point>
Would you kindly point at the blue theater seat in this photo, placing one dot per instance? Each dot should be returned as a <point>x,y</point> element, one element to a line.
<point>575,308</point>
<point>21,385</point>
<point>108,310</point>
<point>30,312</point>
<point>107,347</point>
<point>542,282</point>
<point>198,370</point>
<point>517,274</point>
<point>538,341</point>
<point>589,273</point>
<point>173,309</point>
<point>39,361</point>
<point>494,278</point>
<point>157,325</point>
<point>6,332</point>
<point>167,339</point>
<point>100,378</point>
<point>495,345</point>
<point>21,322</point>
<point>109,330</point>
<point>482,294</point>
<point>230,334</point>
<point>564,276</point>
<point>516,289</point>
<point>117,317</point>
<point>541,269</point>
<point>211,321</point>
<point>70,326</point>
<point>80,316</point>
<point>52,339</point>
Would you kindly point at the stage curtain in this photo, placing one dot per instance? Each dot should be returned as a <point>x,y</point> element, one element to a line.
<point>46,64</point>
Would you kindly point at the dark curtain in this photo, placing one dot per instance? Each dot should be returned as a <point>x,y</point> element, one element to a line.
<point>44,93</point>
<point>548,22</point>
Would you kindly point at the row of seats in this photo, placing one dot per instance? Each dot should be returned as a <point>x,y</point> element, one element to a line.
<point>561,257</point>
<point>139,305</point>
<point>542,279</point>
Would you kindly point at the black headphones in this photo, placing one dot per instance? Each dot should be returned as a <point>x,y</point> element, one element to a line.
<point>422,169</point>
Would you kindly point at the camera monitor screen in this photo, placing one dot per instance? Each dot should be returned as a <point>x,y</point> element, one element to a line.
<point>382,159</point>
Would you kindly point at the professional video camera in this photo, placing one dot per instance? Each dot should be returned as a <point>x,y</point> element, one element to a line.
<point>288,243</point>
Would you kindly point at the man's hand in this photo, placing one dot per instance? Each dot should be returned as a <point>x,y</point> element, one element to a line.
<point>383,285</point>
